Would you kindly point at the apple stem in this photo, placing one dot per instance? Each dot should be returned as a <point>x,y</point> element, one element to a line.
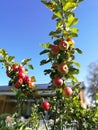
<point>44,121</point>
<point>55,117</point>
<point>56,103</point>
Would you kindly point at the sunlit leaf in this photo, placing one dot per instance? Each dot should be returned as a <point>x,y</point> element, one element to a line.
<point>74,30</point>
<point>10,58</point>
<point>25,61</point>
<point>76,63</point>
<point>74,79</point>
<point>51,5</point>
<point>71,21</point>
<point>46,45</point>
<point>59,14</point>
<point>69,5</point>
<point>59,24</point>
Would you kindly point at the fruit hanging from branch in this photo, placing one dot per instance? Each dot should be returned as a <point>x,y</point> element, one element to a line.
<point>67,91</point>
<point>57,81</point>
<point>62,68</point>
<point>45,105</point>
<point>63,45</point>
<point>61,54</point>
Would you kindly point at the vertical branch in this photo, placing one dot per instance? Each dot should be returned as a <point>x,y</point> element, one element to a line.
<point>55,116</point>
<point>63,17</point>
<point>44,121</point>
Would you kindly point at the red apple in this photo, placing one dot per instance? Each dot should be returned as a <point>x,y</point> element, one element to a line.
<point>15,67</point>
<point>63,45</point>
<point>21,68</point>
<point>54,49</point>
<point>27,79</point>
<point>21,75</point>
<point>18,83</point>
<point>46,105</point>
<point>62,68</point>
<point>67,91</point>
<point>57,81</point>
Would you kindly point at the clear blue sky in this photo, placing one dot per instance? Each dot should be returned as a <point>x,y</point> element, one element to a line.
<point>24,24</point>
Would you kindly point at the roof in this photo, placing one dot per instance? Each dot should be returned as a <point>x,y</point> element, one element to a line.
<point>39,86</point>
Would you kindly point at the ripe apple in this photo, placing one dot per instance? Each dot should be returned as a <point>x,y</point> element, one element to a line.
<point>20,81</point>
<point>15,67</point>
<point>21,75</point>
<point>46,105</point>
<point>54,49</point>
<point>62,68</point>
<point>27,79</point>
<point>17,85</point>
<point>67,91</point>
<point>63,45</point>
<point>57,81</point>
<point>21,68</point>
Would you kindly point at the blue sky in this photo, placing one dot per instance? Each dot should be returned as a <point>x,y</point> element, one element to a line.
<point>24,24</point>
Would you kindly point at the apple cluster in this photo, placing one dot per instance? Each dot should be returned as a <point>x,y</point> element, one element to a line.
<point>19,78</point>
<point>60,60</point>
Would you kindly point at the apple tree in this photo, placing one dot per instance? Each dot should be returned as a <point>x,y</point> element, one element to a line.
<point>61,55</point>
<point>19,80</point>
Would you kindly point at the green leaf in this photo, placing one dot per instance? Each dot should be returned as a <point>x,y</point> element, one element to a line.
<point>59,24</point>
<point>78,50</point>
<point>48,71</point>
<point>2,60</point>
<point>81,0</point>
<point>71,21</point>
<point>74,79</point>
<point>46,45</point>
<point>30,66</point>
<point>44,52</point>
<point>3,116</point>
<point>74,30</point>
<point>59,14</point>
<point>54,17</point>
<point>51,5</point>
<point>55,33</point>
<point>73,71</point>
<point>69,5</point>
<point>25,61</point>
<point>76,63</point>
<point>3,52</point>
<point>45,61</point>
<point>10,58</point>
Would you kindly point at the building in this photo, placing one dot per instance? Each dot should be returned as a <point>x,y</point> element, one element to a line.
<point>8,100</point>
